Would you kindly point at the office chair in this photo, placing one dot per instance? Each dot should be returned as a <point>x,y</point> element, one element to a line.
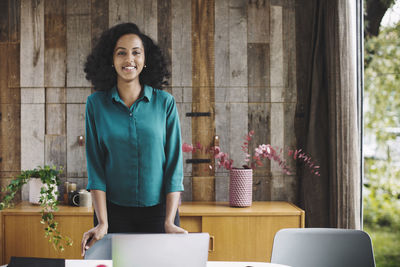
<point>101,250</point>
<point>322,247</point>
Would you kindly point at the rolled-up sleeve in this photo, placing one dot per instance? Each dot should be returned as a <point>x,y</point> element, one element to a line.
<point>94,153</point>
<point>173,174</point>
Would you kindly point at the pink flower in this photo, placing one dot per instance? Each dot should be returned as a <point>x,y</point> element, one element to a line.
<point>263,151</point>
<point>187,148</point>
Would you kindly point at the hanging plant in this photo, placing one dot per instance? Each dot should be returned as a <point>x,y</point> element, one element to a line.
<point>48,201</point>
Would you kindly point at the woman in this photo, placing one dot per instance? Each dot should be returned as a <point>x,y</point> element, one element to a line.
<point>133,142</point>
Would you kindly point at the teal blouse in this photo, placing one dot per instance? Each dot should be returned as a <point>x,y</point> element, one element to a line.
<point>133,154</point>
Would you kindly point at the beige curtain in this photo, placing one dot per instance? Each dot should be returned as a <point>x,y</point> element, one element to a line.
<point>327,119</point>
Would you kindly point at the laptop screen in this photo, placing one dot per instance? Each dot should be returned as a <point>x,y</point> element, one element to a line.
<point>155,250</point>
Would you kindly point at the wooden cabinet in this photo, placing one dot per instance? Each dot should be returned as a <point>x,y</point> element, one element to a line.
<point>22,234</point>
<point>240,234</point>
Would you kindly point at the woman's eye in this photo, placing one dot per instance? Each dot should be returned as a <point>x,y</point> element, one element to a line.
<point>120,53</point>
<point>135,53</point>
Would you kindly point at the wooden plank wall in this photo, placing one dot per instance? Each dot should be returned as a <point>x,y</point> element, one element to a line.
<point>10,94</point>
<point>232,58</point>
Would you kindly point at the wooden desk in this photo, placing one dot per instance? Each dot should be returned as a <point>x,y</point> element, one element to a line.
<point>22,234</point>
<point>242,264</point>
<point>240,234</point>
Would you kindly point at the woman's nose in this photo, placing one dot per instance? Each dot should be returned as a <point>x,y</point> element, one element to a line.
<point>130,58</point>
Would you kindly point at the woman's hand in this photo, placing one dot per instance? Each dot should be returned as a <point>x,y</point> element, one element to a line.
<point>92,236</point>
<point>173,229</point>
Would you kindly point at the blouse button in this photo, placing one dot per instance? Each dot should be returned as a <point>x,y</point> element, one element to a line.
<point>130,114</point>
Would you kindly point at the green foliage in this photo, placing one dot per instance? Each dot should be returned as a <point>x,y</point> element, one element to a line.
<point>386,244</point>
<point>48,201</point>
<point>382,80</point>
<point>382,172</point>
<point>382,193</point>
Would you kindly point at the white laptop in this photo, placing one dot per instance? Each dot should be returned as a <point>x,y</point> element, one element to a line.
<point>160,250</point>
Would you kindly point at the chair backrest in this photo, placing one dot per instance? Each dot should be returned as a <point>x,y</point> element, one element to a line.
<point>101,250</point>
<point>322,247</point>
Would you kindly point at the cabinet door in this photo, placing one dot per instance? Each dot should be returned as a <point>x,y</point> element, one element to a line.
<point>24,236</point>
<point>245,238</point>
<point>191,223</point>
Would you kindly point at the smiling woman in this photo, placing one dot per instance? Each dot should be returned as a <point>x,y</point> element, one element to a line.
<point>133,144</point>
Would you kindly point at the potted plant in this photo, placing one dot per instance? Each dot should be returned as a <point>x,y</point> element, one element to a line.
<point>241,179</point>
<point>47,200</point>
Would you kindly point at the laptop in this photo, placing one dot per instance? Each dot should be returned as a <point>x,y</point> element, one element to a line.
<point>160,250</point>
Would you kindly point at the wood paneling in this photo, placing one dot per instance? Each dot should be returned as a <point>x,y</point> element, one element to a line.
<point>13,66</point>
<point>238,47</point>
<point>32,95</point>
<point>55,119</point>
<point>55,96</point>
<point>77,95</point>
<point>258,72</point>
<point>6,95</point>
<point>78,41</point>
<point>221,186</point>
<point>233,58</point>
<point>4,21</point>
<point>32,43</point>
<point>56,150</point>
<point>203,128</point>
<point>187,184</point>
<point>32,135</point>
<point>10,139</point>
<point>55,43</point>
<point>99,18</point>
<point>164,30</point>
<point>181,58</point>
<point>260,122</point>
<point>14,19</point>
<point>289,138</point>
<point>76,160</point>
<point>289,54</point>
<point>118,12</point>
<point>258,21</point>
<point>238,128</point>
<point>277,130</point>
<point>262,188</point>
<point>144,15</point>
<point>186,133</point>
<point>276,46</point>
<point>222,71</point>
<point>10,95</point>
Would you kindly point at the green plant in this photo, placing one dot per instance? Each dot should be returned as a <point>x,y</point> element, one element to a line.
<point>48,201</point>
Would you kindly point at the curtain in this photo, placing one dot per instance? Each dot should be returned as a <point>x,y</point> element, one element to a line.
<point>327,119</point>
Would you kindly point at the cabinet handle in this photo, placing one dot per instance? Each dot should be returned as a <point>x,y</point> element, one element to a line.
<point>212,241</point>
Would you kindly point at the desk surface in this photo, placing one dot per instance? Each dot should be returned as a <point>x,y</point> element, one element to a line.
<point>222,209</point>
<point>234,264</point>
<point>186,209</point>
<point>242,264</point>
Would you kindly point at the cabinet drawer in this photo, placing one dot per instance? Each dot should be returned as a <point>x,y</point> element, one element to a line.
<point>249,238</point>
<point>191,223</point>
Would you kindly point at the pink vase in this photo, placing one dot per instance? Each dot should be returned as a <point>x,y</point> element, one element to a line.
<point>240,187</point>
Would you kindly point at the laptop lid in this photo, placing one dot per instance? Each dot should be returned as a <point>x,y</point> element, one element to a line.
<point>155,250</point>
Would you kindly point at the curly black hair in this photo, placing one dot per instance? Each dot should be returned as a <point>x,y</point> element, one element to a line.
<point>98,66</point>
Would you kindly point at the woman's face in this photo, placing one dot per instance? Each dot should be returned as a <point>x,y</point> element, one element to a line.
<point>129,57</point>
